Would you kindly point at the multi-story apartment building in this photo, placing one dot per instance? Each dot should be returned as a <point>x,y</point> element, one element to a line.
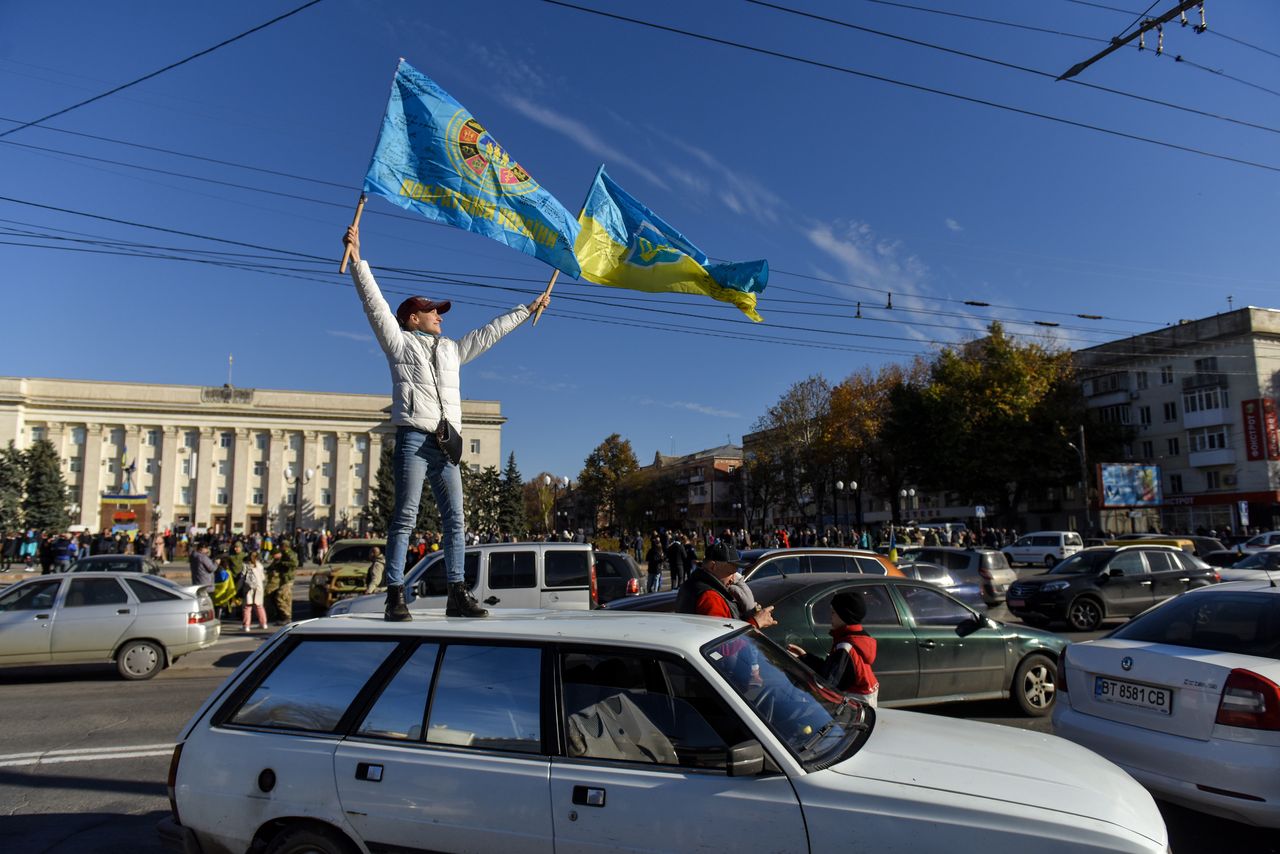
<point>222,458</point>
<point>1202,398</point>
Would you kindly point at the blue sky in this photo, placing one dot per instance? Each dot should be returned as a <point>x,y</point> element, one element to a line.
<point>832,177</point>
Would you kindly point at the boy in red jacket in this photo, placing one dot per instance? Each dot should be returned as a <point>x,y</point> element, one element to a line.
<point>848,666</point>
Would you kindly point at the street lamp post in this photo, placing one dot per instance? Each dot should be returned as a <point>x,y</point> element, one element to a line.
<point>1084,481</point>
<point>906,496</point>
<point>840,492</point>
<point>297,481</point>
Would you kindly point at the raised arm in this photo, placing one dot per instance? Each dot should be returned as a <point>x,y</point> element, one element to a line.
<point>383,322</point>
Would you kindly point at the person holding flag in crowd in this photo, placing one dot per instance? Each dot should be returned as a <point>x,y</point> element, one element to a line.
<point>433,157</point>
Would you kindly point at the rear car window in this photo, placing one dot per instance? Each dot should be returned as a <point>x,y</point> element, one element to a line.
<point>870,566</point>
<point>149,592</point>
<point>777,566</point>
<point>1246,623</point>
<point>567,568</point>
<point>512,570</point>
<point>829,563</point>
<point>994,560</point>
<point>1044,541</point>
<point>311,688</point>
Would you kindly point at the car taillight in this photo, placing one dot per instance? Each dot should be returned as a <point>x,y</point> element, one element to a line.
<point>1250,701</point>
<point>595,593</point>
<point>172,782</point>
<point>1062,671</point>
<point>1217,579</point>
<point>197,617</point>
<point>633,586</point>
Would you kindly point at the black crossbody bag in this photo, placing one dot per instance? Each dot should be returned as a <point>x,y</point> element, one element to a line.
<point>447,438</point>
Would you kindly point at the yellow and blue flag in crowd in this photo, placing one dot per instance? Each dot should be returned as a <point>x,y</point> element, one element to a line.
<point>623,244</point>
<point>434,158</point>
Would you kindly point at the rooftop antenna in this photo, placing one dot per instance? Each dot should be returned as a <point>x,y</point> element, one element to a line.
<point>1229,303</point>
<point>230,361</point>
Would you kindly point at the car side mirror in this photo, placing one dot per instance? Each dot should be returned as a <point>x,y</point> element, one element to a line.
<point>971,625</point>
<point>745,759</point>
<point>1115,573</point>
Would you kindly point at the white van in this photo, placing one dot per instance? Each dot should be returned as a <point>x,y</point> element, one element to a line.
<point>1044,547</point>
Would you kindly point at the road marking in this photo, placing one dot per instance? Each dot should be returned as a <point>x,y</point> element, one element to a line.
<point>88,754</point>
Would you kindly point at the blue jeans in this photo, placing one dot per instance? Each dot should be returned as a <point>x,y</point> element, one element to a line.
<point>417,457</point>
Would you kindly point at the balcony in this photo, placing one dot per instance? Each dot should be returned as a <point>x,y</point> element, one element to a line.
<point>1206,418</point>
<point>1215,457</point>
<point>1196,381</point>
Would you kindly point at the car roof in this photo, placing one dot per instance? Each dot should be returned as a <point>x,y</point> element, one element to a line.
<point>359,541</point>
<point>672,631</point>
<point>114,557</point>
<point>957,549</point>
<point>760,554</point>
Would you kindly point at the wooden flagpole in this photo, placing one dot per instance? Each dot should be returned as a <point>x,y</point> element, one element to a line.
<point>551,284</point>
<point>346,255</point>
<point>556,273</point>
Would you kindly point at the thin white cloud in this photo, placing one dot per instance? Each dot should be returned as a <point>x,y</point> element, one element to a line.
<point>584,136</point>
<point>740,193</point>
<point>691,407</point>
<point>350,336</point>
<point>526,379</point>
<point>953,225</point>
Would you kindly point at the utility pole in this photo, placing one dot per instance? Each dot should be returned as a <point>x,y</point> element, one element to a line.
<point>1084,481</point>
<point>1117,42</point>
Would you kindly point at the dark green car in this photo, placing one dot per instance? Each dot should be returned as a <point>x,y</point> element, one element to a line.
<point>930,647</point>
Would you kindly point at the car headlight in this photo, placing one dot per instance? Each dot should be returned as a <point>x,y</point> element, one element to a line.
<point>1055,585</point>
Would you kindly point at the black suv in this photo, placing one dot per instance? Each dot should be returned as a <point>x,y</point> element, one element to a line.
<point>1116,581</point>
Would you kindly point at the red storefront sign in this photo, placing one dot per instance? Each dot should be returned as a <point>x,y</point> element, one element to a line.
<point>1271,428</point>
<point>1254,447</point>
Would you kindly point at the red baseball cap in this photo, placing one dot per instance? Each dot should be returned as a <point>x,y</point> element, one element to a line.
<point>413,304</point>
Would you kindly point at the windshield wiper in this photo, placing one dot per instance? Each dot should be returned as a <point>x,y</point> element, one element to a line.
<point>827,727</point>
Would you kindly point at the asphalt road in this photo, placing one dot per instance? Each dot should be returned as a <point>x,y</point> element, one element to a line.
<point>84,755</point>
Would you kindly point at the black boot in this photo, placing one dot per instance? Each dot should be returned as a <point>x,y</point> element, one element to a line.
<point>397,611</point>
<point>461,603</point>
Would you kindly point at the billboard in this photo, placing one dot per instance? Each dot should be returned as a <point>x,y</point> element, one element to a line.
<point>1129,485</point>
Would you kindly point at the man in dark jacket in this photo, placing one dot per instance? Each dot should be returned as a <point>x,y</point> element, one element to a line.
<point>705,591</point>
<point>676,560</point>
<point>202,566</point>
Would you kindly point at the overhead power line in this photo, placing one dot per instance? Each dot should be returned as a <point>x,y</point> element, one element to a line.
<point>160,71</point>
<point>915,86</point>
<point>1213,32</point>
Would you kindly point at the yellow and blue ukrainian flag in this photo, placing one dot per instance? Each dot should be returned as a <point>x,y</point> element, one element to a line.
<point>434,158</point>
<point>623,244</point>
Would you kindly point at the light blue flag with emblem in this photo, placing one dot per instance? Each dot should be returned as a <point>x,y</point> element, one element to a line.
<point>623,244</point>
<point>434,158</point>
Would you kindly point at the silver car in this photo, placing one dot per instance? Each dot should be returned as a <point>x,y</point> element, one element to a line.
<point>142,623</point>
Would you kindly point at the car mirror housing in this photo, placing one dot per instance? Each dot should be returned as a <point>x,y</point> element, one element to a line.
<point>971,625</point>
<point>1115,573</point>
<point>745,759</point>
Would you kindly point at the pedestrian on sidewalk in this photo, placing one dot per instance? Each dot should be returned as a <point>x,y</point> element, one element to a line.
<point>252,582</point>
<point>426,408</point>
<point>202,566</point>
<point>657,559</point>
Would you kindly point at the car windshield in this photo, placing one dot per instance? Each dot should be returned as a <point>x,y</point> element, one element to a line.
<point>1083,562</point>
<point>1260,560</point>
<point>1242,622</point>
<point>819,725</point>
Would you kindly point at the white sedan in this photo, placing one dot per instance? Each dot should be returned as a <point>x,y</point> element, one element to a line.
<point>1258,566</point>
<point>1186,698</point>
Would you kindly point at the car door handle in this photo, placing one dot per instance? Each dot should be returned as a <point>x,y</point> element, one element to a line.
<point>123,611</point>
<point>42,616</point>
<point>492,600</point>
<point>1185,580</point>
<point>370,772</point>
<point>1145,583</point>
<point>927,644</point>
<point>585,796</point>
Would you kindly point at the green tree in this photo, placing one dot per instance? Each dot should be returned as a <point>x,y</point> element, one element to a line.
<point>45,505</point>
<point>376,516</point>
<point>13,482</point>
<point>602,476</point>
<point>481,492</point>
<point>537,496</point>
<point>794,439</point>
<point>511,518</point>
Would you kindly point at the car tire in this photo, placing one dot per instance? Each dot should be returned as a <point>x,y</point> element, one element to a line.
<point>1035,687</point>
<point>1084,614</point>
<point>310,839</point>
<point>1050,561</point>
<point>138,660</point>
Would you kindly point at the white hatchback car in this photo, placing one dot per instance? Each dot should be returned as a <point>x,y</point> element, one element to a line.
<point>1045,548</point>
<point>1186,698</point>
<point>590,731</point>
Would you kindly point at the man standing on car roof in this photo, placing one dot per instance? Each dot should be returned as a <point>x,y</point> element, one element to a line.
<point>425,399</point>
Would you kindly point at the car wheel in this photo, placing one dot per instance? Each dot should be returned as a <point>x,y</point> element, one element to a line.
<point>1050,561</point>
<point>1035,685</point>
<point>139,660</point>
<point>1085,614</point>
<point>310,839</point>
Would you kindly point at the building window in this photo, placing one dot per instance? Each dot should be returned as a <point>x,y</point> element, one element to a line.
<point>475,446</point>
<point>1127,450</point>
<point>1144,415</point>
<point>111,466</point>
<point>1148,450</point>
<point>1208,439</point>
<point>1142,380</point>
<point>1171,411</point>
<point>263,441</point>
<point>1118,414</point>
<point>360,471</point>
<point>359,499</point>
<point>1175,483</point>
<point>186,466</point>
<point>259,469</point>
<point>227,440</point>
<point>291,497</point>
<point>1204,399</point>
<point>326,498</point>
<point>220,497</point>
<point>117,437</point>
<point>326,469</point>
<point>224,466</point>
<point>184,495</point>
<point>78,435</point>
<point>362,444</point>
<point>152,438</point>
<point>191,439</point>
<point>39,434</point>
<point>1207,365</point>
<point>1212,480</point>
<point>330,443</point>
<point>257,497</point>
<point>295,442</point>
<point>1166,375</point>
<point>76,464</point>
<point>150,467</point>
<point>1173,447</point>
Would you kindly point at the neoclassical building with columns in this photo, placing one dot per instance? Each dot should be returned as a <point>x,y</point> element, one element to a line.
<point>219,457</point>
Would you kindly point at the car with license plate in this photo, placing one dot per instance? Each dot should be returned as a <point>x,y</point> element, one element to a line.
<point>115,563</point>
<point>141,623</point>
<point>930,648</point>
<point>1045,548</point>
<point>762,563</point>
<point>1186,698</point>
<point>343,573</point>
<point>499,575</point>
<point>562,731</point>
<point>1103,583</point>
<point>987,568</point>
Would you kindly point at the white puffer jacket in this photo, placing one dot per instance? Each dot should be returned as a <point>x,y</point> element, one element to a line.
<point>413,389</point>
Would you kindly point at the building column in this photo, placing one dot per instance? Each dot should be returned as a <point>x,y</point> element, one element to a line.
<point>275,496</point>
<point>240,451</point>
<point>310,490</point>
<point>91,481</point>
<point>168,477</point>
<point>202,488</point>
<point>342,494</point>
